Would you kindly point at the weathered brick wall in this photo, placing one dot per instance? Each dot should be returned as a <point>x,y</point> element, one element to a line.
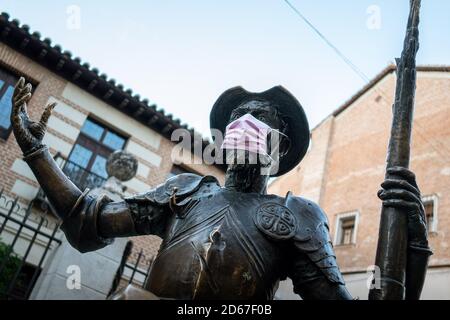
<point>355,153</point>
<point>306,178</point>
<point>356,161</point>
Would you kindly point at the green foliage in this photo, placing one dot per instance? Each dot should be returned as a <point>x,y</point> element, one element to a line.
<point>12,264</point>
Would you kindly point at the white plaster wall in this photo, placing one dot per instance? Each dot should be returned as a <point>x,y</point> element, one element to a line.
<point>436,287</point>
<point>114,117</point>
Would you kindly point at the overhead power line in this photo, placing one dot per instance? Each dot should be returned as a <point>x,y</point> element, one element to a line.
<point>358,71</point>
<point>362,75</point>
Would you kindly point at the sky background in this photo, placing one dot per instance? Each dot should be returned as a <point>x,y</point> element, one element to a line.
<point>182,54</point>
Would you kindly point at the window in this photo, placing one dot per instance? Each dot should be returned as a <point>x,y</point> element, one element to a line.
<point>87,161</point>
<point>346,227</point>
<point>7,83</point>
<point>430,205</point>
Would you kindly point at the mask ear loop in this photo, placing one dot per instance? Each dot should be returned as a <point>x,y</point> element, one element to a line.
<point>271,160</point>
<point>287,139</point>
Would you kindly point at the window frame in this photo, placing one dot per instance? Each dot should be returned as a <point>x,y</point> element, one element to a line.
<point>13,72</point>
<point>340,218</point>
<point>107,128</point>
<point>433,229</point>
<point>97,147</point>
<point>8,81</point>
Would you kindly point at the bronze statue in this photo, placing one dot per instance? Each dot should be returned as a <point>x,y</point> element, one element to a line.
<point>231,242</point>
<point>237,241</point>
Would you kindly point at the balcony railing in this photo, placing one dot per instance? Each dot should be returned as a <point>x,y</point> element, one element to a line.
<point>81,177</point>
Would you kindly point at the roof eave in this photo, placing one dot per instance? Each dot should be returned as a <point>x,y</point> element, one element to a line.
<point>89,79</point>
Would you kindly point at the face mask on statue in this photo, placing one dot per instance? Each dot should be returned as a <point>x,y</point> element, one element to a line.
<point>249,134</point>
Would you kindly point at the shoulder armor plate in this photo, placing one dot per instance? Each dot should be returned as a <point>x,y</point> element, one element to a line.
<point>312,236</point>
<point>181,186</point>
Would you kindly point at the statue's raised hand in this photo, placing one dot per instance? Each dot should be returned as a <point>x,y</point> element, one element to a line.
<point>28,133</point>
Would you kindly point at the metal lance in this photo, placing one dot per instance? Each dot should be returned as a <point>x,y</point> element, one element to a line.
<point>393,233</point>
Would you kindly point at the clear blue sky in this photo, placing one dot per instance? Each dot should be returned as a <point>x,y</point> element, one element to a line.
<point>183,54</point>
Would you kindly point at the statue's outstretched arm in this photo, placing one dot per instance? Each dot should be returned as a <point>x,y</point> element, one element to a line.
<point>89,223</point>
<point>94,222</point>
<point>60,191</point>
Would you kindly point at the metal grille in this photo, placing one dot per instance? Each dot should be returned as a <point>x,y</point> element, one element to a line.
<point>80,176</point>
<point>130,272</point>
<point>18,274</point>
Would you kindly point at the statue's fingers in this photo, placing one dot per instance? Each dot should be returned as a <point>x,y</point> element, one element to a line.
<point>422,214</point>
<point>19,86</point>
<point>380,192</point>
<point>16,108</point>
<point>19,104</point>
<point>400,184</point>
<point>20,83</point>
<point>405,173</point>
<point>24,113</point>
<point>22,92</point>
<point>47,113</point>
<point>398,203</point>
<point>37,129</point>
<point>402,171</point>
<point>23,99</point>
<point>400,194</point>
<point>16,118</point>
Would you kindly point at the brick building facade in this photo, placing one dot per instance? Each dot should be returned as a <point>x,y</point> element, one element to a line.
<point>345,165</point>
<point>87,103</point>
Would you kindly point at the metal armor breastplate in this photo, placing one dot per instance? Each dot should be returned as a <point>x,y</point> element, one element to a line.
<point>217,250</point>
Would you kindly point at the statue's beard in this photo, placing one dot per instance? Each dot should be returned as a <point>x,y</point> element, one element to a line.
<point>246,172</point>
<point>245,177</point>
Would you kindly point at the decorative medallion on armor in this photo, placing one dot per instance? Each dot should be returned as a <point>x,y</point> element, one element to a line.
<point>276,221</point>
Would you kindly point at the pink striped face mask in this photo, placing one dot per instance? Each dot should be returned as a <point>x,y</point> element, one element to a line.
<point>247,133</point>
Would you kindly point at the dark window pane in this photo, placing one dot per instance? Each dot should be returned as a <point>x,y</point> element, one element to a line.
<point>5,108</point>
<point>80,156</point>
<point>7,83</point>
<point>92,129</point>
<point>90,154</point>
<point>428,205</point>
<point>347,231</point>
<point>347,235</point>
<point>99,166</point>
<point>75,173</point>
<point>113,141</point>
<point>429,214</point>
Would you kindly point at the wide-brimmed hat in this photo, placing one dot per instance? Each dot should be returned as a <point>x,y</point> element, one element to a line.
<point>288,106</point>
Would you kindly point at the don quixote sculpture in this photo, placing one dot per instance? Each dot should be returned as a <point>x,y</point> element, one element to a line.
<point>236,241</point>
